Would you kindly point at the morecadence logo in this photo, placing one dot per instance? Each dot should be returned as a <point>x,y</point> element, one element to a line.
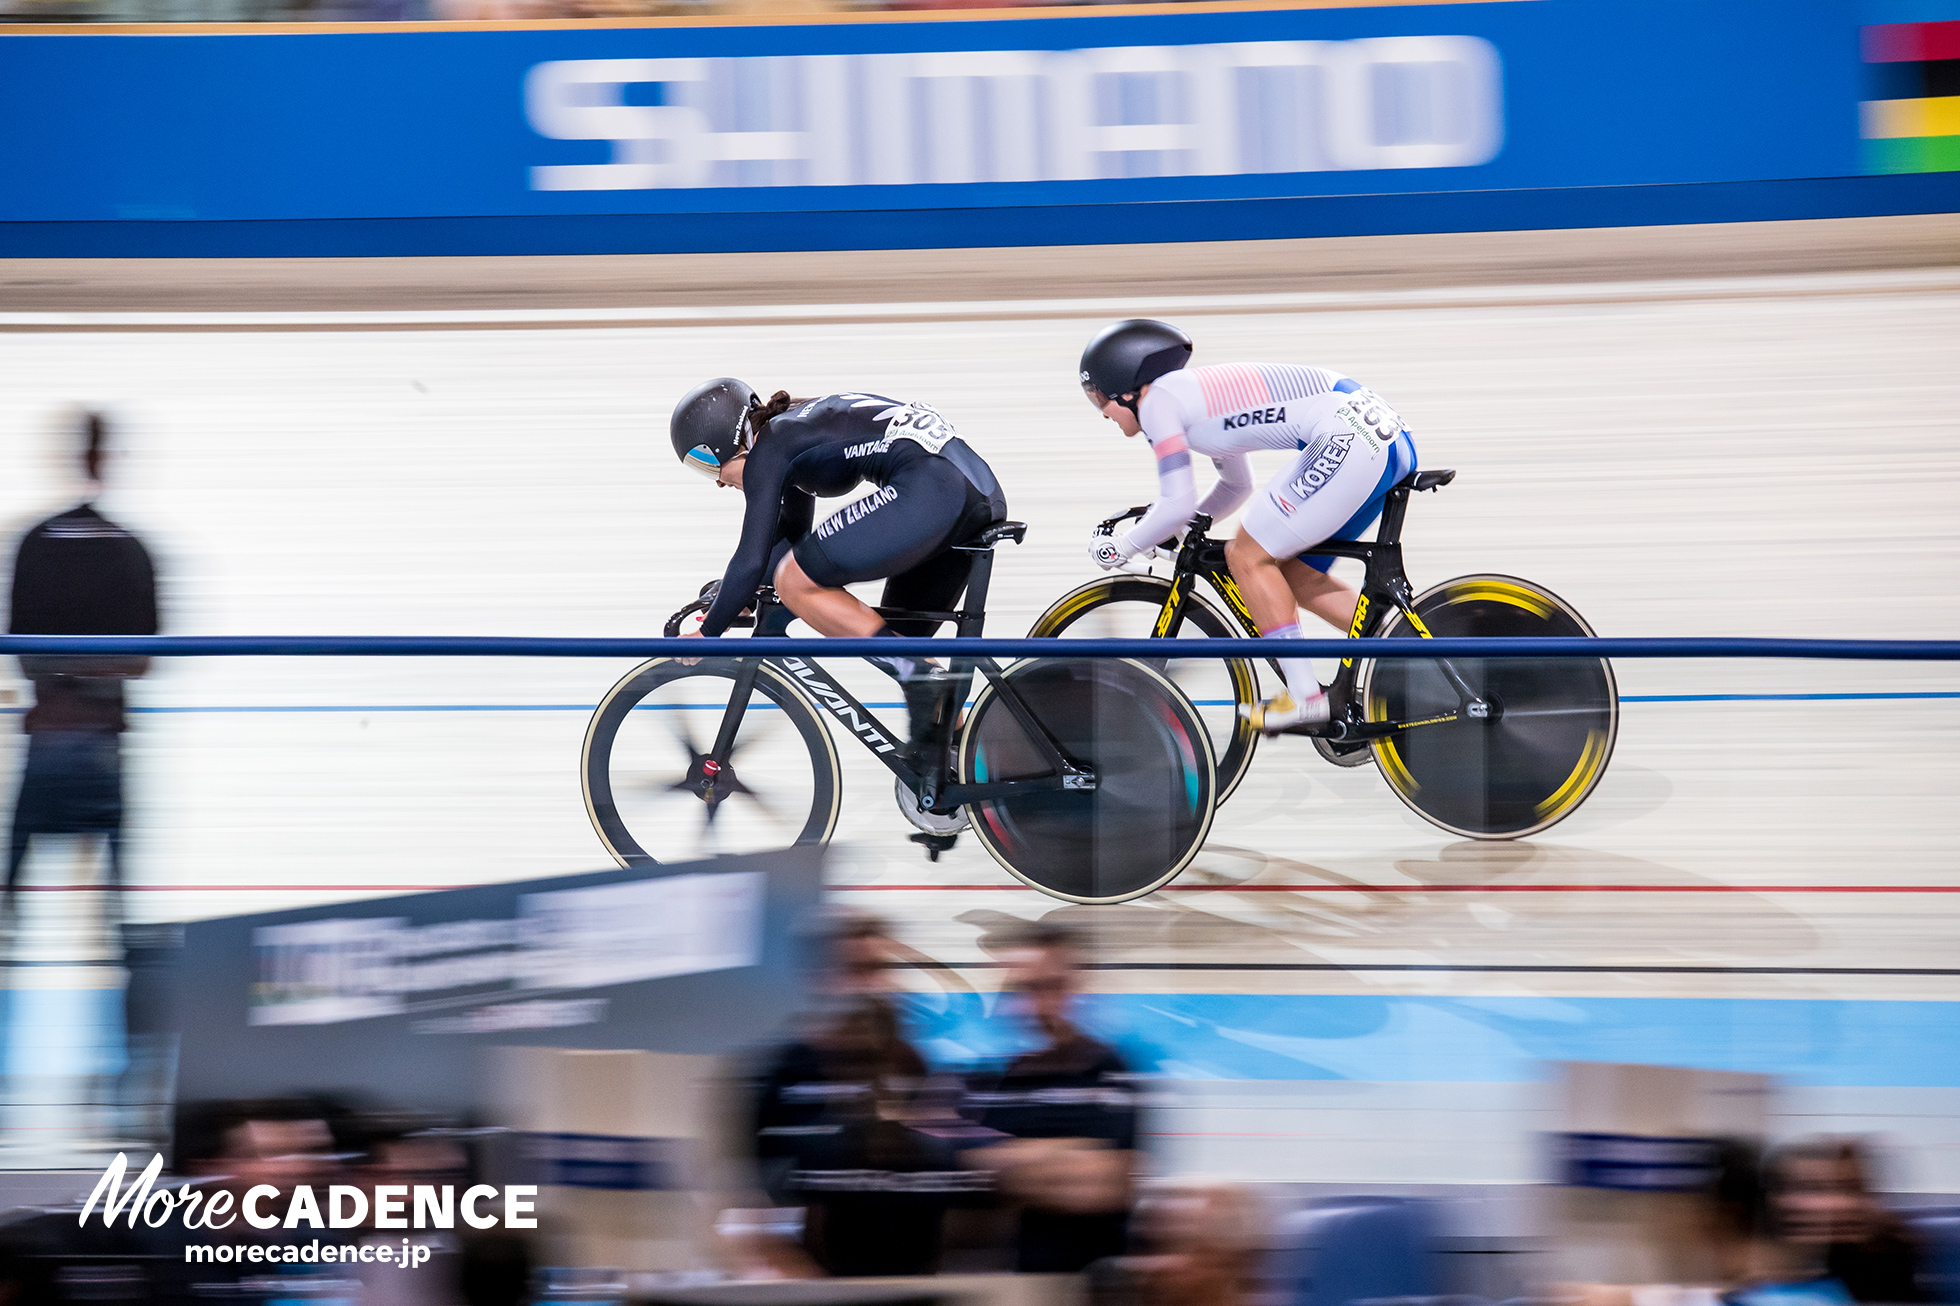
<point>198,1204</point>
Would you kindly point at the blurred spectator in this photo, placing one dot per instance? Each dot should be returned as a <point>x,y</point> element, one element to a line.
<point>1823,1210</point>
<point>238,1143</point>
<point>850,1126</point>
<point>1069,1109</point>
<point>78,573</point>
<point>48,1256</point>
<point>234,1145</point>
<point>1198,1244</point>
<point>1803,1230</point>
<point>480,1267</point>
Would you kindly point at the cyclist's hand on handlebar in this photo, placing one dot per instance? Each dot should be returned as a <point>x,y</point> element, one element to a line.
<point>1109,555</point>
<point>691,634</point>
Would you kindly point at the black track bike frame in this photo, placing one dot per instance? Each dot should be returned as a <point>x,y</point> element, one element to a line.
<point>936,786</point>
<point>1385,591</point>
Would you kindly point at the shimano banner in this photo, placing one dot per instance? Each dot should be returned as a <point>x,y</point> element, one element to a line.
<point>940,117</point>
<point>901,129</point>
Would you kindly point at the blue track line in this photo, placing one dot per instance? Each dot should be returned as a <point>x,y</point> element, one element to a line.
<point>1871,650</point>
<point>1848,696</point>
<point>373,707</point>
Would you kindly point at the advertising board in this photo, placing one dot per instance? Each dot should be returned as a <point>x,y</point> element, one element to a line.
<point>401,997</point>
<point>1207,121</point>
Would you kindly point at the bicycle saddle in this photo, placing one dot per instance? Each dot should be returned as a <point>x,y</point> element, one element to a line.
<point>994,534</point>
<point>1435,480</point>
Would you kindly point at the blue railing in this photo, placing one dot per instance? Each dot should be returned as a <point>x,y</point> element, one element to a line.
<point>488,646</point>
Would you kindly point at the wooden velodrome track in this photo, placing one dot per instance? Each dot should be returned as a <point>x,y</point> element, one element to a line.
<point>1692,432</point>
<point>1684,431</point>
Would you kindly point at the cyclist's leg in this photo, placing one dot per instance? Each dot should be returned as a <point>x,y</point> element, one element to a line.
<point>828,610</point>
<point>1328,485</point>
<point>884,534</point>
<point>901,528</point>
<point>1319,593</point>
<point>935,585</point>
<point>1271,602</point>
<point>1314,589</point>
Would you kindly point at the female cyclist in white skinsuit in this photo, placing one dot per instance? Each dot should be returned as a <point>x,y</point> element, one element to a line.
<point>1349,446</point>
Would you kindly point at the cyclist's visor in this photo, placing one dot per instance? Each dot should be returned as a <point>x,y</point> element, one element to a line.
<point>702,459</point>
<point>1097,399</point>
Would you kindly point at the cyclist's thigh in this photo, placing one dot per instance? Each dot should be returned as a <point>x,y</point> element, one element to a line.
<point>891,530</point>
<point>1401,461</point>
<point>935,584</point>
<point>1326,485</point>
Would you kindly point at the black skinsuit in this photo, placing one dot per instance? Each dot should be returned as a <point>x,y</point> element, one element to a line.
<point>933,492</point>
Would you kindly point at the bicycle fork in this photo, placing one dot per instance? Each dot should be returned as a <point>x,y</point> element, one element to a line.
<point>710,776</point>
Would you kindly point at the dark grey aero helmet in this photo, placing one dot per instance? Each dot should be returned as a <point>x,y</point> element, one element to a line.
<point>1127,356</point>
<point>710,425</point>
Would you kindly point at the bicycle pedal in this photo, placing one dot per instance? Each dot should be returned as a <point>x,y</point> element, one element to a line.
<point>935,844</point>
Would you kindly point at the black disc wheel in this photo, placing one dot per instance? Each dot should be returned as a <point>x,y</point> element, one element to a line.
<point>1550,727</point>
<point>1127,607</point>
<point>1154,778</point>
<point>659,789</point>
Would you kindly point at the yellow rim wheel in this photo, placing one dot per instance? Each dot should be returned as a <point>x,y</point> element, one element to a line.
<point>1550,734</point>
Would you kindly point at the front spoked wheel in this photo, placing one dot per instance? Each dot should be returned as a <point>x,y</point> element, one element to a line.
<point>1126,607</point>
<point>658,790</point>
<point>1549,735</point>
<point>1154,795</point>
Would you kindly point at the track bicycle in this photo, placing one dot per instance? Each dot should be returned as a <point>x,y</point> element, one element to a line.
<point>1090,779</point>
<point>1489,748</point>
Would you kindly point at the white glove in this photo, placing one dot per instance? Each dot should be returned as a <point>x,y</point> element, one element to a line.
<point>1109,555</point>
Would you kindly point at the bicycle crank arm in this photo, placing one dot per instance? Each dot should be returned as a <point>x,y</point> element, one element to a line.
<point>1357,731</point>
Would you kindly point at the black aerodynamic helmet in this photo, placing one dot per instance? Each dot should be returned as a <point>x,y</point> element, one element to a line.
<point>1127,356</point>
<point>710,425</point>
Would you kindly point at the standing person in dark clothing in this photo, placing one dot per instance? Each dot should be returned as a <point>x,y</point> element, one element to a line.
<point>1070,1109</point>
<point>78,573</point>
<point>850,1126</point>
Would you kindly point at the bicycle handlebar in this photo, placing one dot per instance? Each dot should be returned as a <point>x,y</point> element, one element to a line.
<point>1128,514</point>
<point>1199,521</point>
<point>706,601</point>
<point>673,628</point>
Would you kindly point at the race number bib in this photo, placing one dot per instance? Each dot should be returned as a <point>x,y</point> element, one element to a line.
<point>1370,417</point>
<point>922,424</point>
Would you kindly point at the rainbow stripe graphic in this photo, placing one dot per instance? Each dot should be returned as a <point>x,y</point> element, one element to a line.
<point>1916,126</point>
<point>1235,387</point>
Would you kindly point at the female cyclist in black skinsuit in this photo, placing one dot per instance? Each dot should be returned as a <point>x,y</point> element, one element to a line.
<point>933,491</point>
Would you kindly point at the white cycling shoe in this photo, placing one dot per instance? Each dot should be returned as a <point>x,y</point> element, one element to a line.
<point>1282,712</point>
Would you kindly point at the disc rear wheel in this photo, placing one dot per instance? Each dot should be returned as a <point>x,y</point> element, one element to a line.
<point>1551,727</point>
<point>1155,779</point>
